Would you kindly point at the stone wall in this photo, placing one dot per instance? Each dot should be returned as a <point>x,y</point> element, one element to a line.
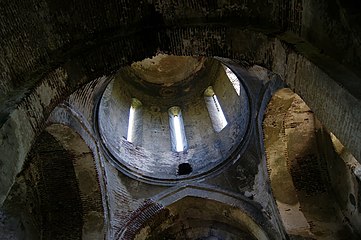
<point>50,49</point>
<point>305,177</point>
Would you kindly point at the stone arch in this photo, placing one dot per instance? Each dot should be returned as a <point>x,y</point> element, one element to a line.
<point>227,214</point>
<point>47,49</point>
<point>87,178</point>
<point>30,107</point>
<point>57,194</point>
<point>50,49</point>
<point>298,169</point>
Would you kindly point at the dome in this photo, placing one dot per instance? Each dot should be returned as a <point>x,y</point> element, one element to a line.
<point>172,118</point>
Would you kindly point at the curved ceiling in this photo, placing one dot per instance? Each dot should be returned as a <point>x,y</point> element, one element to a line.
<point>163,138</point>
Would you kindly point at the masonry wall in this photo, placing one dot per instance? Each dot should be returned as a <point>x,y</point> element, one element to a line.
<point>51,48</point>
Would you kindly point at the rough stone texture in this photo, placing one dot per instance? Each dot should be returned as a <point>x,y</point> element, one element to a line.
<point>123,195</point>
<point>25,122</point>
<point>120,195</point>
<point>87,180</point>
<point>185,214</point>
<point>333,27</point>
<point>333,105</point>
<point>344,176</point>
<point>39,37</point>
<point>192,218</point>
<point>167,70</point>
<point>206,150</point>
<point>299,171</point>
<point>46,194</point>
<point>51,48</point>
<point>57,195</point>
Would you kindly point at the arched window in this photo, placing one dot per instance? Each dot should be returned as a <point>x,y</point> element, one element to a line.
<point>178,136</point>
<point>135,122</point>
<point>215,110</point>
<point>233,79</point>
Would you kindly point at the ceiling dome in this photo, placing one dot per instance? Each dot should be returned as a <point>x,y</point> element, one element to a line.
<point>167,69</point>
<point>173,118</point>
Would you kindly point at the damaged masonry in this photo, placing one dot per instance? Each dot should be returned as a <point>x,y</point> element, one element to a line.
<point>180,120</point>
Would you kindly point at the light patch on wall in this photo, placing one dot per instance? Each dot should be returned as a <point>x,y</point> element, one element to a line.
<point>233,79</point>
<point>215,111</point>
<point>349,159</point>
<point>177,132</point>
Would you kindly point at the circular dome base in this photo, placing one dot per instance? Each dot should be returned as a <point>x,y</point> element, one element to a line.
<point>163,140</point>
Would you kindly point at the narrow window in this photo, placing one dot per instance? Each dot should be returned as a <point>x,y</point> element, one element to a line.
<point>135,122</point>
<point>177,133</point>
<point>233,79</point>
<point>214,110</point>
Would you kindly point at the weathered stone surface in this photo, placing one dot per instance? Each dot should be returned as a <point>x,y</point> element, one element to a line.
<point>51,48</point>
<point>302,172</point>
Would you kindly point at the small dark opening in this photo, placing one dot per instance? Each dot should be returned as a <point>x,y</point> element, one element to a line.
<point>184,169</point>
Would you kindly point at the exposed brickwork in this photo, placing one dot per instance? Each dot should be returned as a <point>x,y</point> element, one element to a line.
<point>51,197</point>
<point>76,121</point>
<point>38,35</point>
<point>307,176</point>
<point>51,48</point>
<point>148,214</point>
<point>25,122</point>
<point>61,207</point>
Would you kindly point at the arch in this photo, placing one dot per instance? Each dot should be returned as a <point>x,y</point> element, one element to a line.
<point>103,57</point>
<point>46,56</point>
<point>298,170</point>
<point>176,128</point>
<point>230,212</point>
<point>67,60</point>
<point>60,196</point>
<point>135,123</point>
<point>87,179</point>
<point>215,111</point>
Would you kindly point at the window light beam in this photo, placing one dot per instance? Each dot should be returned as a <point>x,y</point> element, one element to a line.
<point>135,120</point>
<point>176,125</point>
<point>233,79</point>
<point>215,111</point>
